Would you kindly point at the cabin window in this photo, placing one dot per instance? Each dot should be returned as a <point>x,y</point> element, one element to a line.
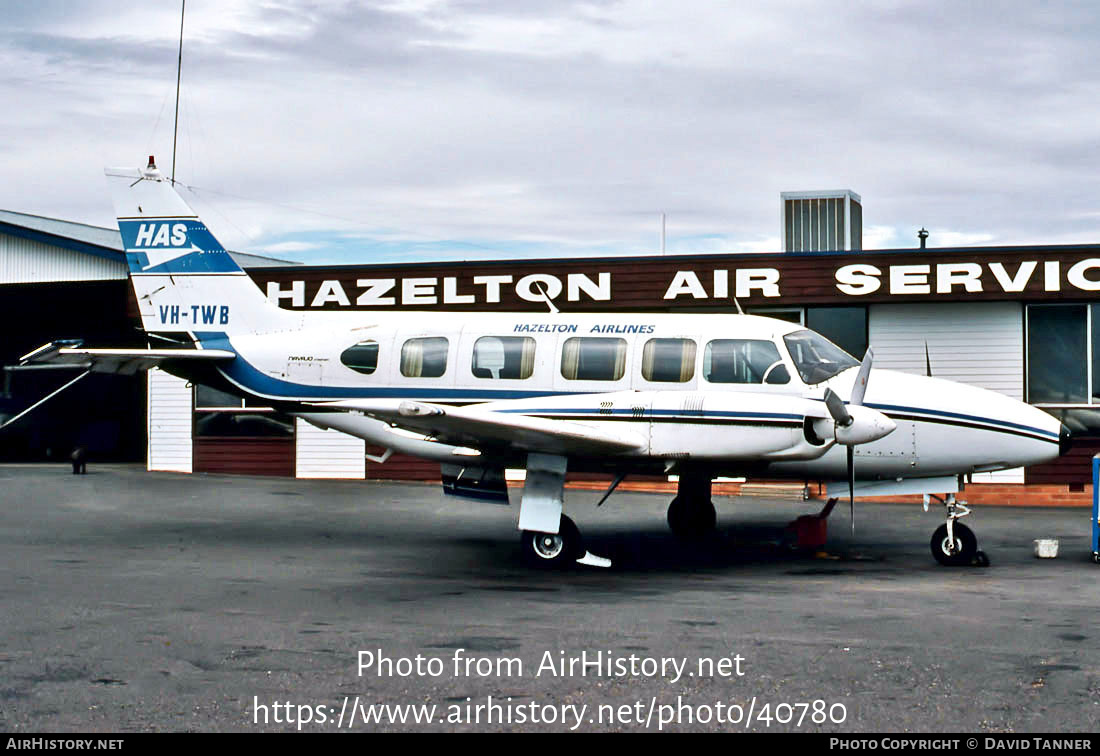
<point>504,357</point>
<point>744,361</point>
<point>593,359</point>
<point>424,358</point>
<point>816,358</point>
<point>668,360</point>
<point>362,358</point>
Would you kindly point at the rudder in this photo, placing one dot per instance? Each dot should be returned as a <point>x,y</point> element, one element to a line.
<point>183,277</point>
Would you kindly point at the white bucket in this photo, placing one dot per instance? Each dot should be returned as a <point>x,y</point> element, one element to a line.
<point>1046,548</point>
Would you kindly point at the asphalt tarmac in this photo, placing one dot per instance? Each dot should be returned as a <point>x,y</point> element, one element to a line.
<point>133,601</point>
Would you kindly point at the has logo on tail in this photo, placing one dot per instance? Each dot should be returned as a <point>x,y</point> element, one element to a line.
<point>176,245</point>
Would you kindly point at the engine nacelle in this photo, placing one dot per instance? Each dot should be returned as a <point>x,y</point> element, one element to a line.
<point>867,425</point>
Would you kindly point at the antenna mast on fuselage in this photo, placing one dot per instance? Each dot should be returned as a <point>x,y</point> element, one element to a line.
<point>179,69</point>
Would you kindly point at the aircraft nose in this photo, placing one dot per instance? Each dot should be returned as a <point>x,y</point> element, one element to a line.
<point>1064,440</point>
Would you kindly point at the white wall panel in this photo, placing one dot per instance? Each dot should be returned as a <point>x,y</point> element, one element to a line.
<point>328,453</point>
<point>26,261</point>
<point>978,343</point>
<point>169,423</point>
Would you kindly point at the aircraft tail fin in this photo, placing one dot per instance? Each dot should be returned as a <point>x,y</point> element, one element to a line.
<point>160,232</point>
<point>183,278</point>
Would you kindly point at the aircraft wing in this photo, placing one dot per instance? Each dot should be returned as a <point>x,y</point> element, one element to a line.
<point>119,361</point>
<point>477,427</point>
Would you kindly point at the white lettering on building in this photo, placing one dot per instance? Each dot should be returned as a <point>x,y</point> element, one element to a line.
<point>1016,282</point>
<point>1076,275</point>
<point>375,289</point>
<point>949,275</point>
<point>909,279</point>
<point>296,295</point>
<point>330,291</point>
<point>418,291</point>
<point>686,282</point>
<point>858,279</point>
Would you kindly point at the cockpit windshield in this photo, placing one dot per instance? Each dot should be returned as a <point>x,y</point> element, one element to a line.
<point>816,358</point>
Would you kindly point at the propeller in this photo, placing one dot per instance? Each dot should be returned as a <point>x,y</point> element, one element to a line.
<point>855,424</point>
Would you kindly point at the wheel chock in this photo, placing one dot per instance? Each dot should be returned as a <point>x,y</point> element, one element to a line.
<point>591,560</point>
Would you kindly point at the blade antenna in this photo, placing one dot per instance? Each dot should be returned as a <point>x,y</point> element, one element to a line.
<point>927,361</point>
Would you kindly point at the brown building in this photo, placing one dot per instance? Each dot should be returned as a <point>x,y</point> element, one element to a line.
<point>1018,320</point>
<point>1012,319</point>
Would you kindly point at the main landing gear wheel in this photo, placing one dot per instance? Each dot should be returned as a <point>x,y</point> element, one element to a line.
<point>553,550</point>
<point>962,552</point>
<point>691,519</point>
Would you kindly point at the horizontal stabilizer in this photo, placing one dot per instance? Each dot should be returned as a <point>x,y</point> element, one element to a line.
<point>120,361</point>
<point>477,427</point>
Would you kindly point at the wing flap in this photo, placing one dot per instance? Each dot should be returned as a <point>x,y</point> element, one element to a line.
<point>477,427</point>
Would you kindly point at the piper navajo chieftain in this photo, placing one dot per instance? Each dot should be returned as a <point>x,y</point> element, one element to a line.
<point>697,396</point>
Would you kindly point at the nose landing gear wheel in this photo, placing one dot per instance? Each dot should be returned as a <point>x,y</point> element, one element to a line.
<point>960,553</point>
<point>553,550</point>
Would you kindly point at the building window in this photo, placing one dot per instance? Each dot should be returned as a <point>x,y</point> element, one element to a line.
<point>790,314</point>
<point>1059,354</point>
<point>504,357</point>
<point>593,359</point>
<point>844,326</point>
<point>668,360</point>
<point>254,423</point>
<point>1063,364</point>
<point>219,414</point>
<point>744,361</point>
<point>212,398</point>
<point>424,358</point>
<point>362,358</point>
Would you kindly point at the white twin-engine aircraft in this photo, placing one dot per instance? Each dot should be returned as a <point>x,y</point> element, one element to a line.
<point>698,396</point>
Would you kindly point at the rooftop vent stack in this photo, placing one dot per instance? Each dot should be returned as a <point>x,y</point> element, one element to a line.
<point>822,221</point>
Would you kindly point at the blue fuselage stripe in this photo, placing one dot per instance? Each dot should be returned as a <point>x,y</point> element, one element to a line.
<point>250,378</point>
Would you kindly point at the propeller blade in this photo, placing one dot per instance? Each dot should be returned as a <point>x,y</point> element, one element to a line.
<point>852,486</point>
<point>860,387</point>
<point>836,408</point>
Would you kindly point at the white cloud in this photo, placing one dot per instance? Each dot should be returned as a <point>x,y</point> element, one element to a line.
<point>287,247</point>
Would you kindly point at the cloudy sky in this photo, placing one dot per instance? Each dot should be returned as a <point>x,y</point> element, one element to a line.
<point>426,129</point>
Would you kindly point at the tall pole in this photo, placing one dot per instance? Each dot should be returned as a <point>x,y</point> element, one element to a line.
<point>179,69</point>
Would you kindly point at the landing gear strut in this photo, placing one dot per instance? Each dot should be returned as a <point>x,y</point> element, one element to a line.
<point>549,538</point>
<point>953,544</point>
<point>691,514</point>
